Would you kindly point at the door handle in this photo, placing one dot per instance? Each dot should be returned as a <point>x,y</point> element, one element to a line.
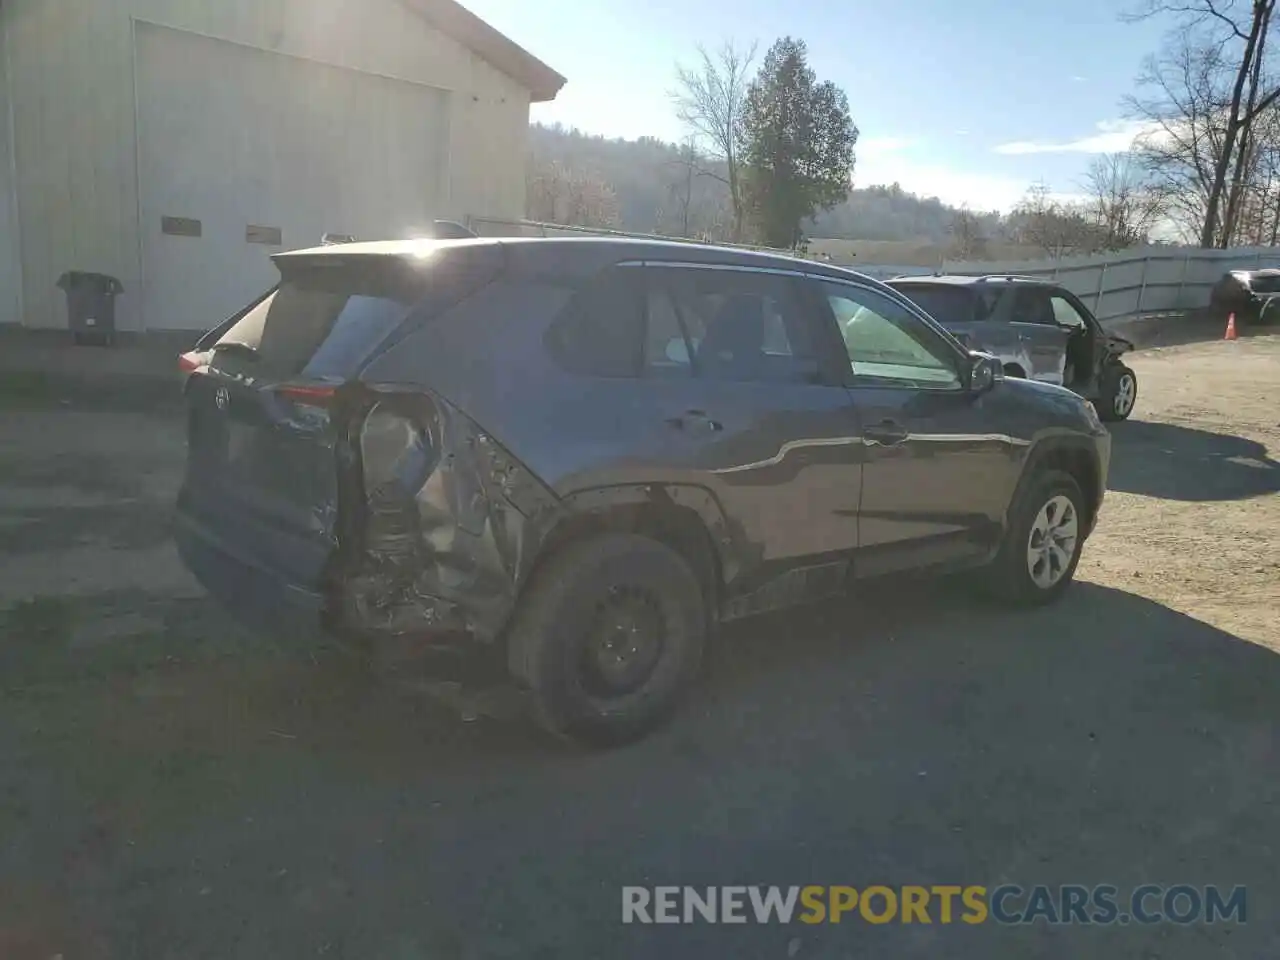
<point>695,421</point>
<point>887,433</point>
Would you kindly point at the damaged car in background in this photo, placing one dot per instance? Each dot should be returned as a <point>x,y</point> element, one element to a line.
<point>1037,328</point>
<point>579,456</point>
<point>1251,295</point>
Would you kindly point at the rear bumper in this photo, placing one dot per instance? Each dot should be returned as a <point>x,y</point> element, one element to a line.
<point>253,595</point>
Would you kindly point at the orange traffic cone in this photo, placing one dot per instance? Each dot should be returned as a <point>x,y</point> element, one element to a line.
<point>1231,327</point>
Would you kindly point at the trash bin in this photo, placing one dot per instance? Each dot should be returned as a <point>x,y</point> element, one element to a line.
<point>91,305</point>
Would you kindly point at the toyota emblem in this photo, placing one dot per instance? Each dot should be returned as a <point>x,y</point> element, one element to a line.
<point>221,398</point>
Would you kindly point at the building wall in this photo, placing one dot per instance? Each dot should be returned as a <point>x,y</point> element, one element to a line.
<point>71,80</point>
<point>10,269</point>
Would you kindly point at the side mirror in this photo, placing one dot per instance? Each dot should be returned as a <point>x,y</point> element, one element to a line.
<point>985,371</point>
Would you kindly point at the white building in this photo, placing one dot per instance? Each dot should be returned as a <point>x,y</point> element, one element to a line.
<point>176,144</point>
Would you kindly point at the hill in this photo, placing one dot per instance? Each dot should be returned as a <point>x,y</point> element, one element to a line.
<point>657,190</point>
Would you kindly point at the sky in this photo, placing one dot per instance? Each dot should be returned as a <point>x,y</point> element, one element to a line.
<point>971,102</point>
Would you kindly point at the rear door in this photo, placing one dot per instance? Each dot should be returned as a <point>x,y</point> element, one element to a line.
<point>749,411</point>
<point>1038,329</point>
<point>261,471</point>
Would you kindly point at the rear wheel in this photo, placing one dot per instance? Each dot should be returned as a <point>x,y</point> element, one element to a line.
<point>1119,393</point>
<point>608,637</point>
<point>1042,545</point>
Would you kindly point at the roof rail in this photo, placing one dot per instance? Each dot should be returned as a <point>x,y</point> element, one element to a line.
<point>1012,276</point>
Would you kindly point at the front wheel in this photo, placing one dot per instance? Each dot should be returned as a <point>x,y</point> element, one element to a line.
<point>1042,544</point>
<point>608,637</point>
<point>1119,393</point>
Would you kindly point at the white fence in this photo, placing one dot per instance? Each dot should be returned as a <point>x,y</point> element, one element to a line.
<point>1141,281</point>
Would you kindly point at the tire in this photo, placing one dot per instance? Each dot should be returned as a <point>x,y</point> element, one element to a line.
<point>1010,577</point>
<point>1116,401</point>
<point>592,594</point>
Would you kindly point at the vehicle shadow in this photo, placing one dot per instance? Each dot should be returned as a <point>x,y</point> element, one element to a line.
<point>1183,463</point>
<point>907,735</point>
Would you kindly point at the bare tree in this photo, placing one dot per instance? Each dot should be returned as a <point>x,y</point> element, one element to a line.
<point>1056,228</point>
<point>709,99</point>
<point>687,166</point>
<point>1185,93</point>
<point>968,239</point>
<point>556,193</point>
<point>1231,36</point>
<point>1258,222</point>
<point>1123,206</point>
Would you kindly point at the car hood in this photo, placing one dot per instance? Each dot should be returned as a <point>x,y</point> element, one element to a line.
<point>1028,408</point>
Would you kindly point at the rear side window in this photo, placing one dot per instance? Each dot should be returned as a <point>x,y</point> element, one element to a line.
<point>1032,305</point>
<point>733,324</point>
<point>946,304</point>
<point>600,333</point>
<point>676,322</point>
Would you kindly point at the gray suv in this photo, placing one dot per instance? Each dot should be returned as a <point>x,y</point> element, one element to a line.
<point>583,454</point>
<point>1038,330</point>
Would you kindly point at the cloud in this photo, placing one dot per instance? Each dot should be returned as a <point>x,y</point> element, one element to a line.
<point>1076,78</point>
<point>1112,136</point>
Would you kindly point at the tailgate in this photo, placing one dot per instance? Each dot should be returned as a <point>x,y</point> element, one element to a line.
<point>262,469</point>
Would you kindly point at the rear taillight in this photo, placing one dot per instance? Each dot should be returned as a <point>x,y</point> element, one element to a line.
<point>191,361</point>
<point>310,394</point>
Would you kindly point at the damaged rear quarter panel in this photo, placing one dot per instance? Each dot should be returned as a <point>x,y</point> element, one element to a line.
<point>454,550</point>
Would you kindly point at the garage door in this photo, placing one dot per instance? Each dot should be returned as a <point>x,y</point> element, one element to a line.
<point>243,153</point>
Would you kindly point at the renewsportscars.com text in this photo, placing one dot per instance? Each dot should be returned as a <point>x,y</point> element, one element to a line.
<point>879,904</point>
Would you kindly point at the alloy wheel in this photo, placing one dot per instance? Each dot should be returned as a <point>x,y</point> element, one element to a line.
<point>1051,544</point>
<point>1126,393</point>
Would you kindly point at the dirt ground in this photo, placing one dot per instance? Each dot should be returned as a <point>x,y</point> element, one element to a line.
<point>171,787</point>
<point>1193,520</point>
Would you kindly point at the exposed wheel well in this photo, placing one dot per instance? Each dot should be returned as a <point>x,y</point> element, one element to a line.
<point>1080,466</point>
<point>1013,370</point>
<point>679,528</point>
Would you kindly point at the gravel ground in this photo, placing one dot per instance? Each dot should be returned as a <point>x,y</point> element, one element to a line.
<point>170,787</point>
<point>1193,517</point>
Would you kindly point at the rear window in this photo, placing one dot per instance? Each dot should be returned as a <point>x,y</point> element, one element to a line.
<point>326,319</point>
<point>946,304</point>
<point>301,330</point>
<point>1265,283</point>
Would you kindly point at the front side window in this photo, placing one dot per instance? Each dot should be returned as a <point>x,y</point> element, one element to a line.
<point>1065,313</point>
<point>887,343</point>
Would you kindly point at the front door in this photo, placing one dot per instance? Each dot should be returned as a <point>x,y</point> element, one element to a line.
<point>928,454</point>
